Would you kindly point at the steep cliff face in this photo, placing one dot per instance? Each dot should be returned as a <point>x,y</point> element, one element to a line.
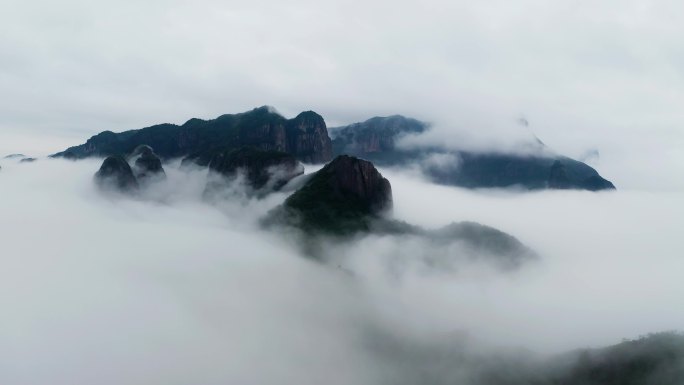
<point>305,137</point>
<point>344,197</point>
<point>376,139</point>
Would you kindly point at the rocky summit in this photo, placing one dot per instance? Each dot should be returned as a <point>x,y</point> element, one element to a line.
<point>115,173</point>
<point>146,164</point>
<point>349,197</point>
<point>342,198</point>
<point>305,137</point>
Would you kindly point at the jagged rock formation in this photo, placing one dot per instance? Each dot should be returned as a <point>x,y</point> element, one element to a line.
<point>305,137</point>
<point>146,164</point>
<point>115,173</point>
<point>261,169</point>
<point>375,140</point>
<point>342,198</point>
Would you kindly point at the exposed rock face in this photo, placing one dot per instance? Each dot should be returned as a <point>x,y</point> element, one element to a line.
<point>344,197</point>
<point>261,169</point>
<point>115,173</point>
<point>147,164</point>
<point>376,139</point>
<point>305,137</point>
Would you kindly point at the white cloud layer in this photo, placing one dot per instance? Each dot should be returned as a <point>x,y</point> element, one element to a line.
<point>166,289</point>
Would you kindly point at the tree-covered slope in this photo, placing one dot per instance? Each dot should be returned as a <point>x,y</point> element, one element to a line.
<point>305,137</point>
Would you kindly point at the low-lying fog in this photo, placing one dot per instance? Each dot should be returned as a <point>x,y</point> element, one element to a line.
<point>166,289</point>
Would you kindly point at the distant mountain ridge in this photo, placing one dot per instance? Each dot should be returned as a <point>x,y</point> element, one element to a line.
<point>376,138</point>
<point>305,137</point>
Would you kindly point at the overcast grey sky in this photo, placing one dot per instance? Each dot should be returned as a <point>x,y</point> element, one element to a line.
<point>604,75</point>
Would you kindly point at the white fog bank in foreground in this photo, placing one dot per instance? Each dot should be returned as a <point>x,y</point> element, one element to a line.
<point>166,289</point>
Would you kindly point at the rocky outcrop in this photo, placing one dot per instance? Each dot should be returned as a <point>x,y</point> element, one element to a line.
<point>146,164</point>
<point>342,198</point>
<point>305,137</point>
<point>115,173</point>
<point>261,169</point>
<point>349,198</point>
<point>375,139</point>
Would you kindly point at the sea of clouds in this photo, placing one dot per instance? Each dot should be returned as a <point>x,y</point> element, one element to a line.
<point>165,288</point>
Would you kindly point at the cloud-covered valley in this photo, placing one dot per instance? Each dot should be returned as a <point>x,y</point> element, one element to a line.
<point>166,288</point>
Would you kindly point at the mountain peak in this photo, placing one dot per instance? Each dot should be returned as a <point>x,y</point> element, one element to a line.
<point>341,198</point>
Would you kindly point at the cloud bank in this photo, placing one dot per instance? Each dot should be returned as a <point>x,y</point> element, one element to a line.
<point>165,288</point>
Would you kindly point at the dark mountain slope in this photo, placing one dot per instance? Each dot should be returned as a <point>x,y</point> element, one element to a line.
<point>341,198</point>
<point>349,198</point>
<point>375,140</point>
<point>115,173</point>
<point>305,137</point>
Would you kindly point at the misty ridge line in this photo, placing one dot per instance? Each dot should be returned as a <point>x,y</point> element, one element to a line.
<point>389,272</point>
<point>386,141</point>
